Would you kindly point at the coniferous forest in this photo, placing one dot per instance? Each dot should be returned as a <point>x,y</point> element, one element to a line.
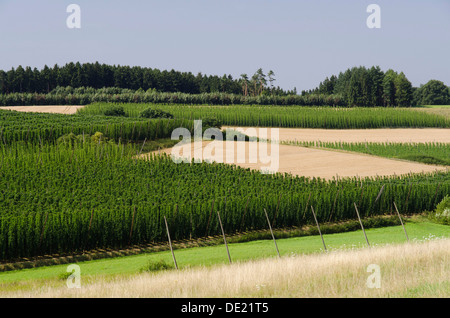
<point>357,86</point>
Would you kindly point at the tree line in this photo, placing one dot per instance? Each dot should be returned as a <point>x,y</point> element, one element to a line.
<point>361,86</point>
<point>96,75</point>
<point>357,86</point>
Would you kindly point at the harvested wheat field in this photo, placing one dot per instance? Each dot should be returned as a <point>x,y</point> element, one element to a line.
<point>420,269</point>
<point>68,109</point>
<point>296,160</point>
<point>393,135</point>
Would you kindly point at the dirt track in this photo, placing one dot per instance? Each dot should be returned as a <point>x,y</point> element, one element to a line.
<point>299,160</point>
<point>357,135</point>
<point>68,109</point>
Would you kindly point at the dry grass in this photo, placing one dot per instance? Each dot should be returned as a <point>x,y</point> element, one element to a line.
<point>420,269</point>
<point>436,110</point>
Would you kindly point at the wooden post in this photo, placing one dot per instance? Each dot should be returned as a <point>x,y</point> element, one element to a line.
<point>398,213</point>
<point>143,144</point>
<point>170,243</point>
<point>270,227</point>
<point>380,193</point>
<point>360,222</point>
<point>224,239</point>
<point>318,227</point>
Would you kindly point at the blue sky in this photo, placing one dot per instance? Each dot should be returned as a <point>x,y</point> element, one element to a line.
<point>301,41</point>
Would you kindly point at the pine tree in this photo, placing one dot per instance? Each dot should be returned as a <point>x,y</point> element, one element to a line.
<point>389,88</point>
<point>403,90</point>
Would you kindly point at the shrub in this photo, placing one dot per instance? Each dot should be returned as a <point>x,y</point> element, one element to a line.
<point>211,122</point>
<point>115,111</point>
<point>64,276</point>
<point>98,137</point>
<point>72,139</point>
<point>155,266</point>
<point>442,213</point>
<point>154,113</point>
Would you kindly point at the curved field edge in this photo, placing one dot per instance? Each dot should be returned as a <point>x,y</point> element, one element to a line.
<point>428,153</point>
<point>423,253</point>
<point>319,162</point>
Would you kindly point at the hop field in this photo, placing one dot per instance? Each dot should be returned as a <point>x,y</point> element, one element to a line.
<point>45,127</point>
<point>70,198</point>
<point>289,116</point>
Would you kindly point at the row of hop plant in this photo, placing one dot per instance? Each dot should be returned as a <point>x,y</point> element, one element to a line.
<point>79,196</point>
<point>88,95</point>
<point>287,116</point>
<point>42,127</point>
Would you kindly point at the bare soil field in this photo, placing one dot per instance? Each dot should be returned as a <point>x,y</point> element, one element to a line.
<point>393,135</point>
<point>296,160</point>
<point>66,109</point>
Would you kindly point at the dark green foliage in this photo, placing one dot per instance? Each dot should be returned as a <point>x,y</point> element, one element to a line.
<point>403,91</point>
<point>69,199</point>
<point>156,266</point>
<point>88,95</point>
<point>154,113</point>
<point>211,122</point>
<point>96,75</point>
<point>361,86</point>
<point>433,93</point>
<point>115,110</point>
<point>427,159</point>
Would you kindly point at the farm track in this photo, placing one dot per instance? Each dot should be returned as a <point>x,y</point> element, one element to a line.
<point>66,109</point>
